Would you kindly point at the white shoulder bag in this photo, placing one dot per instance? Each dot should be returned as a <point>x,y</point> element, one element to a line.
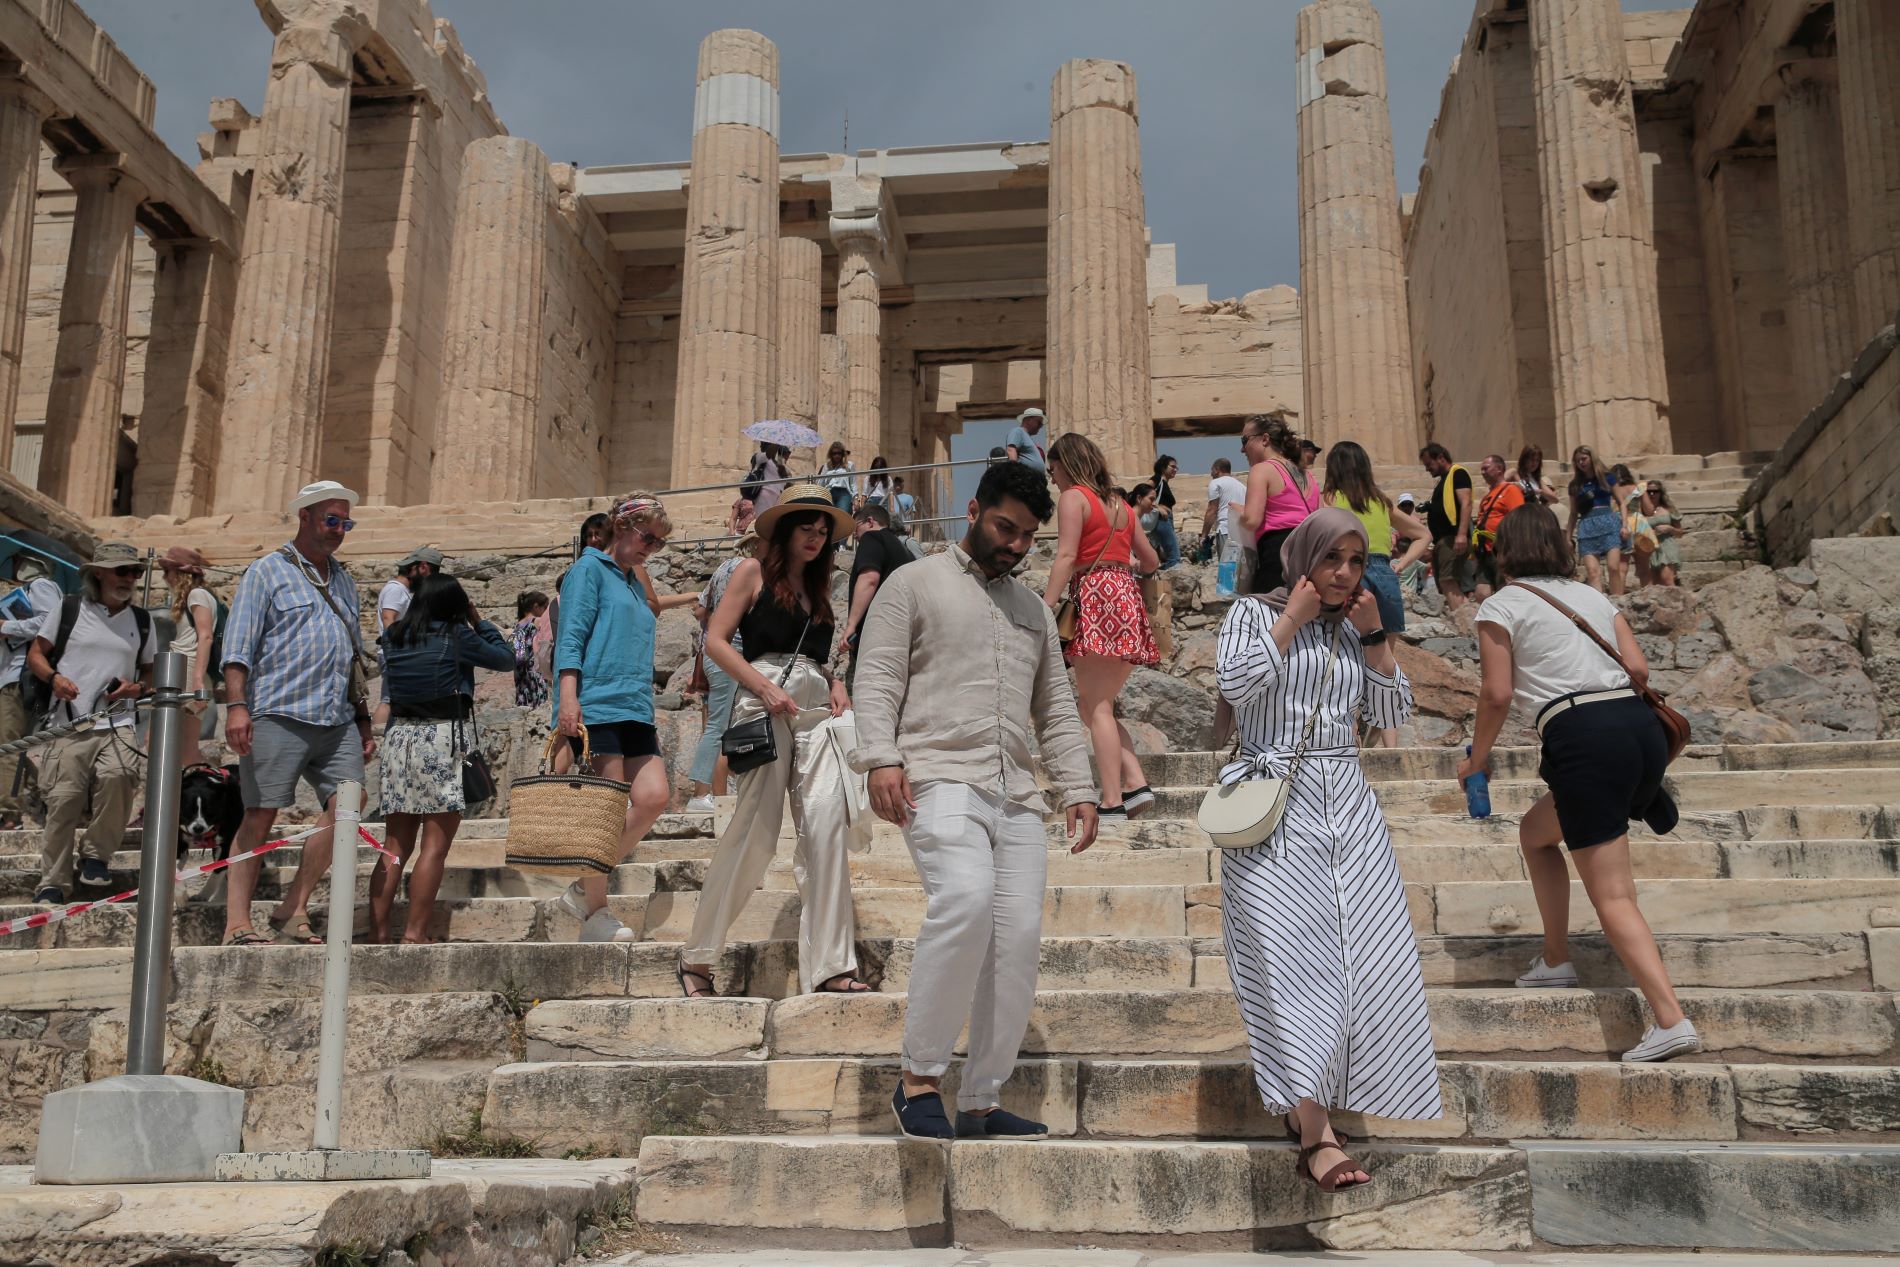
<point>1244,814</point>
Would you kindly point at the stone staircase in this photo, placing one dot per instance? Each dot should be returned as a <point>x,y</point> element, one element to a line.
<point>763,1118</point>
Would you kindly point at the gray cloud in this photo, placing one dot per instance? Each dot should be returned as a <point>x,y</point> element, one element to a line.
<point>609,81</point>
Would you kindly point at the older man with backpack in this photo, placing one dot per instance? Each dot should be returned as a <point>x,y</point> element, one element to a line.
<point>94,651</point>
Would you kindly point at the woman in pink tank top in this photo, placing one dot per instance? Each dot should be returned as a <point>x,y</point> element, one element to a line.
<point>1280,494</point>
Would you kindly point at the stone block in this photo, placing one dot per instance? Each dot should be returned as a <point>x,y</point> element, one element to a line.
<point>1804,1099</point>
<point>323,1165</point>
<point>645,1029</point>
<point>137,1128</point>
<point>870,1186</point>
<point>1734,1196</point>
<point>1598,1101</point>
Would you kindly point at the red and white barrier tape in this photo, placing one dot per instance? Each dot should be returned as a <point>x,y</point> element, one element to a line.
<point>41,919</point>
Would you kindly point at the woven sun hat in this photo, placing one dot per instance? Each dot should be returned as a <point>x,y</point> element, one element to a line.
<point>115,554</point>
<point>183,559</point>
<point>322,491</point>
<point>802,497</point>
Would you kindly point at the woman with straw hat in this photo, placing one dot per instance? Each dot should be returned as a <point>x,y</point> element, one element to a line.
<point>772,634</point>
<point>197,615</point>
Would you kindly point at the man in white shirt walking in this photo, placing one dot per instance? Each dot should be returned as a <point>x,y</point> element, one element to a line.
<point>95,649</point>
<point>955,661</point>
<point>1225,496</point>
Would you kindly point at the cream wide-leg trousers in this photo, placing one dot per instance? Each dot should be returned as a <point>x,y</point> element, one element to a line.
<point>809,771</point>
<point>983,863</point>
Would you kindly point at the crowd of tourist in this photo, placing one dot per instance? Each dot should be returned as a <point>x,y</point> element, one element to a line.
<point>914,699</point>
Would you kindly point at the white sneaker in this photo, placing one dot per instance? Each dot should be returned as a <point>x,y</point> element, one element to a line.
<point>701,805</point>
<point>1542,976</point>
<point>602,926</point>
<point>1661,1044</point>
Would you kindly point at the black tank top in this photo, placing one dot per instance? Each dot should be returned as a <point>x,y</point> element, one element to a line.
<point>769,629</point>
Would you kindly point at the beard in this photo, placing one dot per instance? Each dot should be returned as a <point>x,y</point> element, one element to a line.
<point>987,553</point>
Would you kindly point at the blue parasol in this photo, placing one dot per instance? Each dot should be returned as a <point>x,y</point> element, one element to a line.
<point>784,433</point>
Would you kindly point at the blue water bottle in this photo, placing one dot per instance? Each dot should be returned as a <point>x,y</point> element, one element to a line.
<point>1477,792</point>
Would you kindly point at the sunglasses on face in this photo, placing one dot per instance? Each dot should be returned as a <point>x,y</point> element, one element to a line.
<point>338,521</point>
<point>651,541</point>
<point>129,571</point>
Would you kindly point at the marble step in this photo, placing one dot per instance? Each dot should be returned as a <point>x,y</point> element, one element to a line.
<point>85,978</point>
<point>1138,910</point>
<point>608,1106</point>
<point>1244,1196</point>
<point>1832,1026</point>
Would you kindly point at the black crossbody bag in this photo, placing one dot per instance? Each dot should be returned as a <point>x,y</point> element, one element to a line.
<point>752,744</point>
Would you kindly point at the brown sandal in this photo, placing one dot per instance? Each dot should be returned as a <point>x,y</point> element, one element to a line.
<point>851,985</point>
<point>682,972</point>
<point>1330,1181</point>
<point>296,931</point>
<point>246,937</point>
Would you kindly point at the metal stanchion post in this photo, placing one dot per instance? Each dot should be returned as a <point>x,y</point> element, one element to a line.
<point>328,1159</point>
<point>336,966</point>
<point>152,957</point>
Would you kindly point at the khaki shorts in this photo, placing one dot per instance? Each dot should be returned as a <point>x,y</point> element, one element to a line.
<point>1447,563</point>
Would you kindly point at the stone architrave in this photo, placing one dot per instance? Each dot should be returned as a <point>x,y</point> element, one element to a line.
<point>1612,390</point>
<point>801,264</point>
<point>1097,357</point>
<point>193,286</point>
<point>83,414</point>
<point>1356,337</point>
<point>280,332</point>
<point>728,367</point>
<point>1868,38</point>
<point>857,226</point>
<point>23,111</point>
<point>491,367</point>
<point>1811,171</point>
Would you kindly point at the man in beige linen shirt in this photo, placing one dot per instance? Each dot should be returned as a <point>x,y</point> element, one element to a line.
<point>955,662</point>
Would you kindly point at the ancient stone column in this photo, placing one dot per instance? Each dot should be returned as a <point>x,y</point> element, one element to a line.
<point>180,426</point>
<point>23,110</point>
<point>492,330</point>
<point>861,327</point>
<point>1355,333</point>
<point>82,406</point>
<point>1812,174</point>
<point>280,334</point>
<point>1868,37</point>
<point>728,376</point>
<point>801,264</point>
<point>1612,391</point>
<point>1097,358</point>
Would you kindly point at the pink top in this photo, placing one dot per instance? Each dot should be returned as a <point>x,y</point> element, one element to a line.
<point>1286,508</point>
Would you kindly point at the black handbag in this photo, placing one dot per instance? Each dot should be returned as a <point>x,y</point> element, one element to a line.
<point>753,743</point>
<point>478,780</point>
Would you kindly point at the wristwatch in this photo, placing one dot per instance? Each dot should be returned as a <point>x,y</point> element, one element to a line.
<point>1372,639</point>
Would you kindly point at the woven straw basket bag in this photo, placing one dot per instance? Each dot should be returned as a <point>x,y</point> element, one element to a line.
<point>566,824</point>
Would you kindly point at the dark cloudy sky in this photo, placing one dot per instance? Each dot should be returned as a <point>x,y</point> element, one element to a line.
<point>611,81</point>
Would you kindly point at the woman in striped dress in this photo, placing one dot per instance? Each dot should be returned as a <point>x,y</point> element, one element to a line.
<point>1319,941</point>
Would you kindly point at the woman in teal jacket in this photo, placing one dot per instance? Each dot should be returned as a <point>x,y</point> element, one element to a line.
<point>603,662</point>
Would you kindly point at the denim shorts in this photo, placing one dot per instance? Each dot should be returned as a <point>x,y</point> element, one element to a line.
<point>1385,588</point>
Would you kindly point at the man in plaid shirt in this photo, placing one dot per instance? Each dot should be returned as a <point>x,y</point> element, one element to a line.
<point>289,642</point>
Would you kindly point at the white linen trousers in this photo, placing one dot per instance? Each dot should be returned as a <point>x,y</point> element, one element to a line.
<point>984,863</point>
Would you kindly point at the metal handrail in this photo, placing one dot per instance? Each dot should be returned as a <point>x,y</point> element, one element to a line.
<point>861,473</point>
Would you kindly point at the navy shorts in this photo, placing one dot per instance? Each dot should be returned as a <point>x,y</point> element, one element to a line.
<point>1604,764</point>
<point>620,739</point>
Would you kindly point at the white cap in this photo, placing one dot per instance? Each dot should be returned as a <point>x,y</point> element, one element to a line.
<point>321,491</point>
<point>1407,497</point>
<point>1031,412</point>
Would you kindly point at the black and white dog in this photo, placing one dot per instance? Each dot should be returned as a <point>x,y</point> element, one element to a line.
<point>210,809</point>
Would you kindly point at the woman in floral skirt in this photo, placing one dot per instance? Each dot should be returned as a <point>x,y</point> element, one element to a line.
<point>1098,551</point>
<point>531,689</point>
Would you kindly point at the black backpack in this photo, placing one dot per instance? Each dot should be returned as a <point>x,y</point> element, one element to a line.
<point>36,696</point>
<point>754,481</point>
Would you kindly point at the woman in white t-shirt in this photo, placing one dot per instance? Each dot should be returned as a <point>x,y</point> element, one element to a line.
<point>1604,754</point>
<point>194,612</point>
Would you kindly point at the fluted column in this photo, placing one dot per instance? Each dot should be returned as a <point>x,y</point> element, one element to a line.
<point>1868,37</point>
<point>860,326</point>
<point>193,286</point>
<point>83,404</point>
<point>1356,336</point>
<point>493,331</point>
<point>801,264</point>
<point>1812,173</point>
<point>1612,390</point>
<point>280,335</point>
<point>1097,357</point>
<point>23,111</point>
<point>728,376</point>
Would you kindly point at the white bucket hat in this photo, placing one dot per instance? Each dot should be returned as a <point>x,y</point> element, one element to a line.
<point>321,491</point>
